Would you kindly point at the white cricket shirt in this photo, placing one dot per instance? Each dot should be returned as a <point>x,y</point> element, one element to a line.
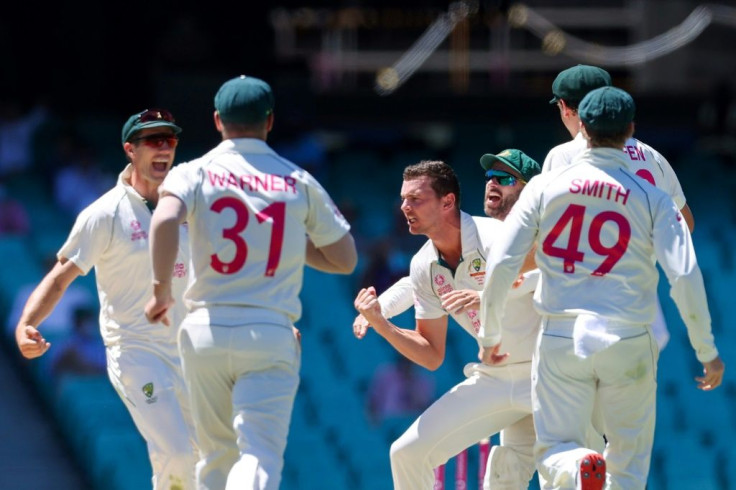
<point>641,159</point>
<point>250,212</point>
<point>431,278</point>
<point>597,226</point>
<point>111,235</point>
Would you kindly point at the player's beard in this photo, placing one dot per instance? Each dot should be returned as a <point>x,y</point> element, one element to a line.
<point>502,207</point>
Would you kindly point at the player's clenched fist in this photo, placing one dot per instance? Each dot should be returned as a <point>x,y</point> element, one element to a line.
<point>30,342</point>
<point>366,302</point>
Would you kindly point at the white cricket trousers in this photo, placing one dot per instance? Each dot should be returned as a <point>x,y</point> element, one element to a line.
<point>149,381</point>
<point>620,381</point>
<point>490,399</point>
<point>242,382</point>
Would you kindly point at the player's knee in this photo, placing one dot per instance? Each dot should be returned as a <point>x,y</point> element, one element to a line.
<point>398,451</point>
<point>403,451</point>
<point>507,470</point>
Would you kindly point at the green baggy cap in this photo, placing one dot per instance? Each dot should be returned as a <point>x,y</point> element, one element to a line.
<point>244,100</point>
<point>607,109</point>
<point>517,160</point>
<point>573,84</point>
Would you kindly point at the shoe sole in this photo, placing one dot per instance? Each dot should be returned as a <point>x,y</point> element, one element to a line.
<point>592,472</point>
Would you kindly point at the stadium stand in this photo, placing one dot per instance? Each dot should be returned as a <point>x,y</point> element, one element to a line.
<point>331,443</point>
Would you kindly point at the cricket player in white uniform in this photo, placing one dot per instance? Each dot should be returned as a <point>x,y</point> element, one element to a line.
<point>445,278</point>
<point>255,218</point>
<point>111,235</point>
<point>568,89</point>
<point>596,226</point>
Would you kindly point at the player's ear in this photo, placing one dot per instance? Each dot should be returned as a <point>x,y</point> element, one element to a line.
<point>584,131</point>
<point>448,201</point>
<point>128,149</point>
<point>218,121</point>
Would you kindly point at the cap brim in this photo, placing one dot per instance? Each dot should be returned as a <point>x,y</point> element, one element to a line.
<point>487,161</point>
<point>159,124</point>
<point>554,100</point>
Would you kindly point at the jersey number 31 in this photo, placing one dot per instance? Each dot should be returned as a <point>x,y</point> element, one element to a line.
<point>274,212</point>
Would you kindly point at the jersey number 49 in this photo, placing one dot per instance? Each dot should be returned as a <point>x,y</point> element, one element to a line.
<point>574,216</point>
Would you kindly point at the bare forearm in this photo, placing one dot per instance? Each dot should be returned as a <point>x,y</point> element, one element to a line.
<point>41,303</point>
<point>164,247</point>
<point>47,294</point>
<point>410,344</point>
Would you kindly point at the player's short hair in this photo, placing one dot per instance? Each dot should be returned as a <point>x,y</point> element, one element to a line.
<point>607,139</point>
<point>443,178</point>
<point>240,128</point>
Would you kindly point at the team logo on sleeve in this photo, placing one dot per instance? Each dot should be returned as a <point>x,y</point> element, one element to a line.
<point>148,391</point>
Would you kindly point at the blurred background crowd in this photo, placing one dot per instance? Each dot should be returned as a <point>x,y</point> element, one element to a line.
<point>362,90</point>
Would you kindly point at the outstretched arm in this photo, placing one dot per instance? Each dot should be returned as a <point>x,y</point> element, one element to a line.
<point>40,304</point>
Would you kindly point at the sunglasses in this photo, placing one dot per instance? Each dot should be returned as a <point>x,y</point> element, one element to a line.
<point>503,178</point>
<point>157,140</point>
<point>150,115</point>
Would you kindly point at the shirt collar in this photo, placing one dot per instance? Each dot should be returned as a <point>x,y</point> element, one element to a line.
<point>125,182</point>
<point>605,157</point>
<point>468,237</point>
<point>247,145</point>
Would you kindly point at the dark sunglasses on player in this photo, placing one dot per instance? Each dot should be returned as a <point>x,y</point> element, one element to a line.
<point>503,178</point>
<point>157,140</point>
<point>150,115</point>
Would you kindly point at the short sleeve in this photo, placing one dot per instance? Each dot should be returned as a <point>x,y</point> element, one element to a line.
<point>88,240</point>
<point>325,223</point>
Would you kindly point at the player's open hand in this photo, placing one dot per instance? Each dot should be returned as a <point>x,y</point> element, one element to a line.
<point>712,375</point>
<point>30,342</point>
<point>460,300</point>
<point>360,326</point>
<point>491,356</point>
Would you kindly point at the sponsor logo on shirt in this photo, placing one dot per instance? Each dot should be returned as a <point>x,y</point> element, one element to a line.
<point>138,232</point>
<point>444,286</point>
<point>180,270</point>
